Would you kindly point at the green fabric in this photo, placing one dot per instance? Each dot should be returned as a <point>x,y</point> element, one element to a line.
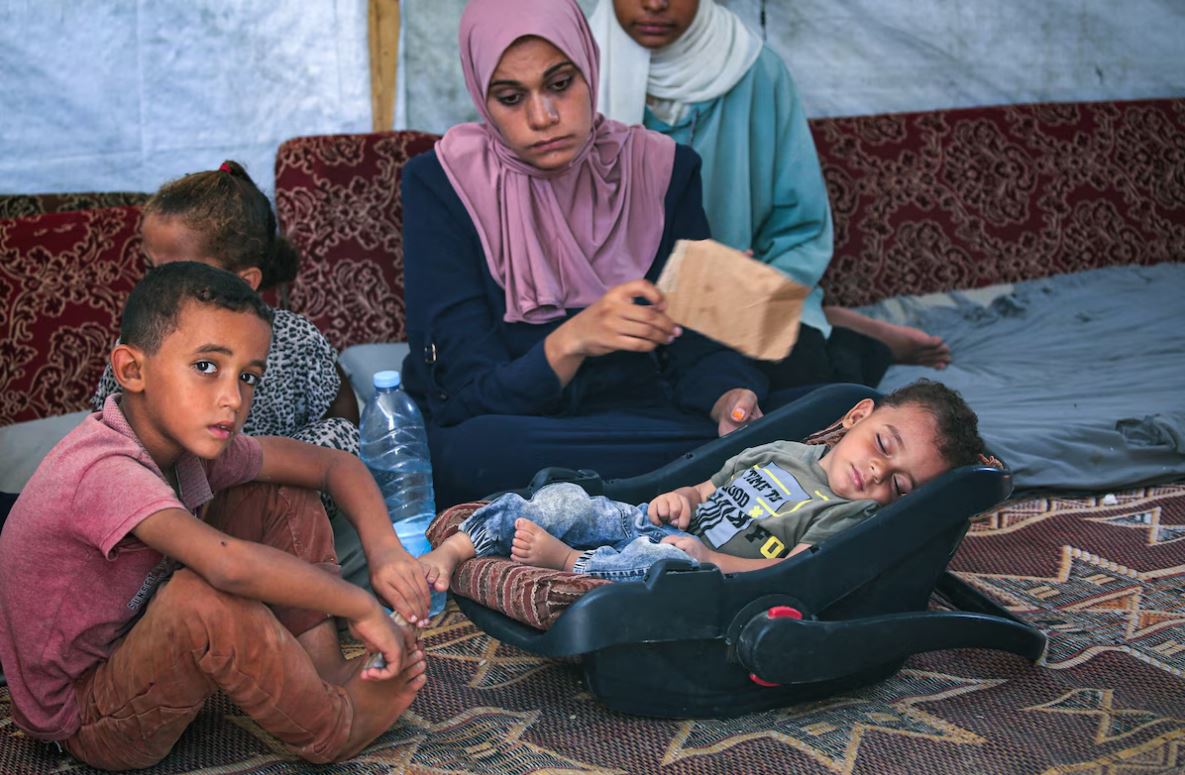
<point>771,498</point>
<point>763,188</point>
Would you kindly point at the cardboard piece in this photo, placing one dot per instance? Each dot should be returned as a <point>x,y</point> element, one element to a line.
<point>736,300</point>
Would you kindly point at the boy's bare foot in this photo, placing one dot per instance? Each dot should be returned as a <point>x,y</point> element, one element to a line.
<point>440,563</point>
<point>324,648</point>
<point>535,546</point>
<point>378,704</point>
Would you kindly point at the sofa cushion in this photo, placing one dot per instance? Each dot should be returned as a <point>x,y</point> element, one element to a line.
<point>940,200</point>
<point>362,361</point>
<point>63,281</point>
<point>338,201</point>
<point>24,445</point>
<point>21,205</point>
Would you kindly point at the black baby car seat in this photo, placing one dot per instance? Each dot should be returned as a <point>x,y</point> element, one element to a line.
<point>694,642</point>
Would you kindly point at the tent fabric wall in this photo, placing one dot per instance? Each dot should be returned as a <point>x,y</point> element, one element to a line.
<point>861,57</point>
<point>97,95</point>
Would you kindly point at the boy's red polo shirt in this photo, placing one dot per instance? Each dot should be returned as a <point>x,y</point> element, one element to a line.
<point>74,578</point>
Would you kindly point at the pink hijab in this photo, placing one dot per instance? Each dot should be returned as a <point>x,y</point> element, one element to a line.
<point>554,239</point>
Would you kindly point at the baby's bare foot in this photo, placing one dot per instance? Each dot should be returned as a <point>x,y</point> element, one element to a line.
<point>535,546</point>
<point>440,563</point>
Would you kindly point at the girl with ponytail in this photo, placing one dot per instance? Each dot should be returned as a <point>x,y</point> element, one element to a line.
<point>220,217</point>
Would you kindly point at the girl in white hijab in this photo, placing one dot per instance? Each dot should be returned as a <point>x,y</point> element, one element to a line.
<point>706,61</point>
<point>692,70</point>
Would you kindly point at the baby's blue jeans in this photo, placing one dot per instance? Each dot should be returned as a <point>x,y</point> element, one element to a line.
<point>621,542</point>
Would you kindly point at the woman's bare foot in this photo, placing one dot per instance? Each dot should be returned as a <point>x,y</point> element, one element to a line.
<point>378,704</point>
<point>440,563</point>
<point>535,546</point>
<point>913,345</point>
<point>908,344</point>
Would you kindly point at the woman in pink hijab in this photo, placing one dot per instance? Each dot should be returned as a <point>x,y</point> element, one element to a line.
<point>531,243</point>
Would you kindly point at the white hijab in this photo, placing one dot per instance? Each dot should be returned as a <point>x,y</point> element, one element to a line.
<point>706,61</point>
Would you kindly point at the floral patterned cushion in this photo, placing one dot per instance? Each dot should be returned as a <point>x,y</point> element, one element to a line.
<point>923,202</point>
<point>338,201</point>
<point>63,281</point>
<point>21,205</point>
<point>952,199</point>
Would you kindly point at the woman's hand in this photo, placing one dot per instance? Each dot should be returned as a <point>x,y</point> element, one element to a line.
<point>736,408</point>
<point>613,322</point>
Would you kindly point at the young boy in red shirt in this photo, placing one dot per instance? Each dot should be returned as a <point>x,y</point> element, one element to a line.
<point>157,555</point>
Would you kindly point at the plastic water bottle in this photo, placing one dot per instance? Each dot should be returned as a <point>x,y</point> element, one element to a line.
<point>394,446</point>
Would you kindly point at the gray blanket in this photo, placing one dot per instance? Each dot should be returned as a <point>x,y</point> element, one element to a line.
<point>1078,380</point>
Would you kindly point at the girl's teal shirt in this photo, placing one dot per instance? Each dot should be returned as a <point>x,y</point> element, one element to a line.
<point>763,189</point>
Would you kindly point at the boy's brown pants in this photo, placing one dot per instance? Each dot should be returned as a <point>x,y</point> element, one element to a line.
<point>194,640</point>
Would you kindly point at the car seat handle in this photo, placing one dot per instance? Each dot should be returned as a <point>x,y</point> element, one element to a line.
<point>777,648</point>
<point>776,612</point>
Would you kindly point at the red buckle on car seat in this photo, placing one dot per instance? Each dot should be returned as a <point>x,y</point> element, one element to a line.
<point>776,612</point>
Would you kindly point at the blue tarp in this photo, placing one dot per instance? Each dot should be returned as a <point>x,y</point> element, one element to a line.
<point>1078,380</point>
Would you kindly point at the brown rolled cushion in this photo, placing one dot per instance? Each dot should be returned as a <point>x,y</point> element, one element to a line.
<point>525,593</point>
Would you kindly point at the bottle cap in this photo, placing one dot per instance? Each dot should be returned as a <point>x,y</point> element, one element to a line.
<point>386,379</point>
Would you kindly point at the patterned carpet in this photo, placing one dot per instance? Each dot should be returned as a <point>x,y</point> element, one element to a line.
<point>1105,577</point>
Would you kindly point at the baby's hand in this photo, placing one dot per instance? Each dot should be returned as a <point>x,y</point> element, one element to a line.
<point>692,545</point>
<point>673,508</point>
